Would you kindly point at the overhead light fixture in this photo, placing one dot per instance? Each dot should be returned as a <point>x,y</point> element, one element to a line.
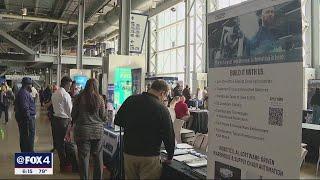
<point>24,11</point>
<point>153,4</point>
<point>29,36</point>
<point>41,28</point>
<point>35,32</point>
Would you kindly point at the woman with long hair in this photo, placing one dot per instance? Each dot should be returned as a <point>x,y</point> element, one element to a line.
<point>88,115</point>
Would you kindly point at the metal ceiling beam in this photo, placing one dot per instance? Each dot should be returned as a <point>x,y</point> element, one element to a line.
<point>96,7</point>
<point>40,19</point>
<point>163,6</point>
<point>16,57</point>
<point>112,17</point>
<point>7,4</point>
<point>15,42</point>
<point>36,9</point>
<point>160,7</point>
<point>66,4</point>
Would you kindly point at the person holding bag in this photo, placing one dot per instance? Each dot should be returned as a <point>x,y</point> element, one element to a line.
<point>88,117</point>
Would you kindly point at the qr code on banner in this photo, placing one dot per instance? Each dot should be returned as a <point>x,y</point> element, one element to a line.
<point>275,116</point>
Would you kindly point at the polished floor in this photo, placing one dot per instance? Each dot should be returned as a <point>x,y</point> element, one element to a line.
<point>9,144</point>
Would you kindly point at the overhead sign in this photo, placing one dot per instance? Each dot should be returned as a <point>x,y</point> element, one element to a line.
<point>256,90</point>
<point>138,24</point>
<point>19,77</point>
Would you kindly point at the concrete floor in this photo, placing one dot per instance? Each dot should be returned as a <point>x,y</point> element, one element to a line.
<point>9,144</point>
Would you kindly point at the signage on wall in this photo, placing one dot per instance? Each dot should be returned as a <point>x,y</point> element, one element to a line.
<point>256,90</point>
<point>19,77</point>
<point>80,76</point>
<point>138,25</point>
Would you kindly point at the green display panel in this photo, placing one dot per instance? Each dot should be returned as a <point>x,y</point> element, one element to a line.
<point>122,85</point>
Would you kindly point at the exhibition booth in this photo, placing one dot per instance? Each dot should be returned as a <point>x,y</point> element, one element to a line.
<point>260,123</point>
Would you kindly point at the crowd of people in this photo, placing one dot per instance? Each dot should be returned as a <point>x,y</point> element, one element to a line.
<point>200,95</point>
<point>77,120</point>
<point>69,111</point>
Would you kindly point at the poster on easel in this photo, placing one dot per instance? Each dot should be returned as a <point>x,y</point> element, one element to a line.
<point>255,57</point>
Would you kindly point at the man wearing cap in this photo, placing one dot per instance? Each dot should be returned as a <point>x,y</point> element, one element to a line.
<point>25,112</point>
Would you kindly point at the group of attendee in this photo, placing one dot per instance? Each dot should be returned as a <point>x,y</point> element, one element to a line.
<point>146,120</point>
<point>200,95</point>
<point>68,110</point>
<point>179,101</point>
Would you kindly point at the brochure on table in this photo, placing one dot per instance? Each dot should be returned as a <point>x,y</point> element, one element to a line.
<point>255,89</point>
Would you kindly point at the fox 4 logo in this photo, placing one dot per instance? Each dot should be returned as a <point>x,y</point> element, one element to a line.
<point>37,160</point>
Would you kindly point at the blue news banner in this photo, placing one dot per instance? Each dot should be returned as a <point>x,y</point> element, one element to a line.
<point>33,164</point>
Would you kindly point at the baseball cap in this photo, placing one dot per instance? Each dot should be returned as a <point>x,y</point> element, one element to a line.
<point>26,80</point>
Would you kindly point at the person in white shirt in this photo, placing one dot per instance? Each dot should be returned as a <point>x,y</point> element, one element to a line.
<point>34,94</point>
<point>199,94</point>
<point>62,107</point>
<point>205,98</point>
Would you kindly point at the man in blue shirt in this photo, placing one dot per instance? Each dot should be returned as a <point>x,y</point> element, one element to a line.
<point>25,112</point>
<point>265,41</point>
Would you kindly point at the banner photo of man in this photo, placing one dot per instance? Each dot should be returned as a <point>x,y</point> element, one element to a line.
<point>270,35</point>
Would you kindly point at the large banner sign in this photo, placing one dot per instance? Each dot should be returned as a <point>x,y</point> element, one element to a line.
<point>256,90</point>
<point>138,25</point>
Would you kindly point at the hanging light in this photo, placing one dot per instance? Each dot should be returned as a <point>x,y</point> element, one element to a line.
<point>41,28</point>
<point>24,11</point>
<point>35,32</point>
<point>29,36</point>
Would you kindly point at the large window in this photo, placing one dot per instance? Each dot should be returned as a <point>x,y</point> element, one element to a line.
<point>227,3</point>
<point>168,39</point>
<point>167,42</point>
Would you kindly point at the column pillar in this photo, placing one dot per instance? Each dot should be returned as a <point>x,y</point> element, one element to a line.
<point>124,27</point>
<point>59,68</point>
<point>80,33</point>
<point>187,44</point>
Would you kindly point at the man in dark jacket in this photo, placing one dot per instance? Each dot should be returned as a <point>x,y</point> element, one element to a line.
<point>25,112</point>
<point>147,123</point>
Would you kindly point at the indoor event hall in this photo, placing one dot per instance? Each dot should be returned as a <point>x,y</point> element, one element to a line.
<point>159,89</point>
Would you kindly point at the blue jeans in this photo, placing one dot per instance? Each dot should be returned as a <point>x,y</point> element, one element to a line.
<point>316,114</point>
<point>27,133</point>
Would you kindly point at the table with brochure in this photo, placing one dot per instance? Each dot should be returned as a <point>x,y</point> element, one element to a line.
<point>187,163</point>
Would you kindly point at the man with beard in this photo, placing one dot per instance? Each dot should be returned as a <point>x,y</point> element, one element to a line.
<point>265,41</point>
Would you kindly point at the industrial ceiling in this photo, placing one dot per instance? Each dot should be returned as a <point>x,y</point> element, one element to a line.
<point>25,25</point>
